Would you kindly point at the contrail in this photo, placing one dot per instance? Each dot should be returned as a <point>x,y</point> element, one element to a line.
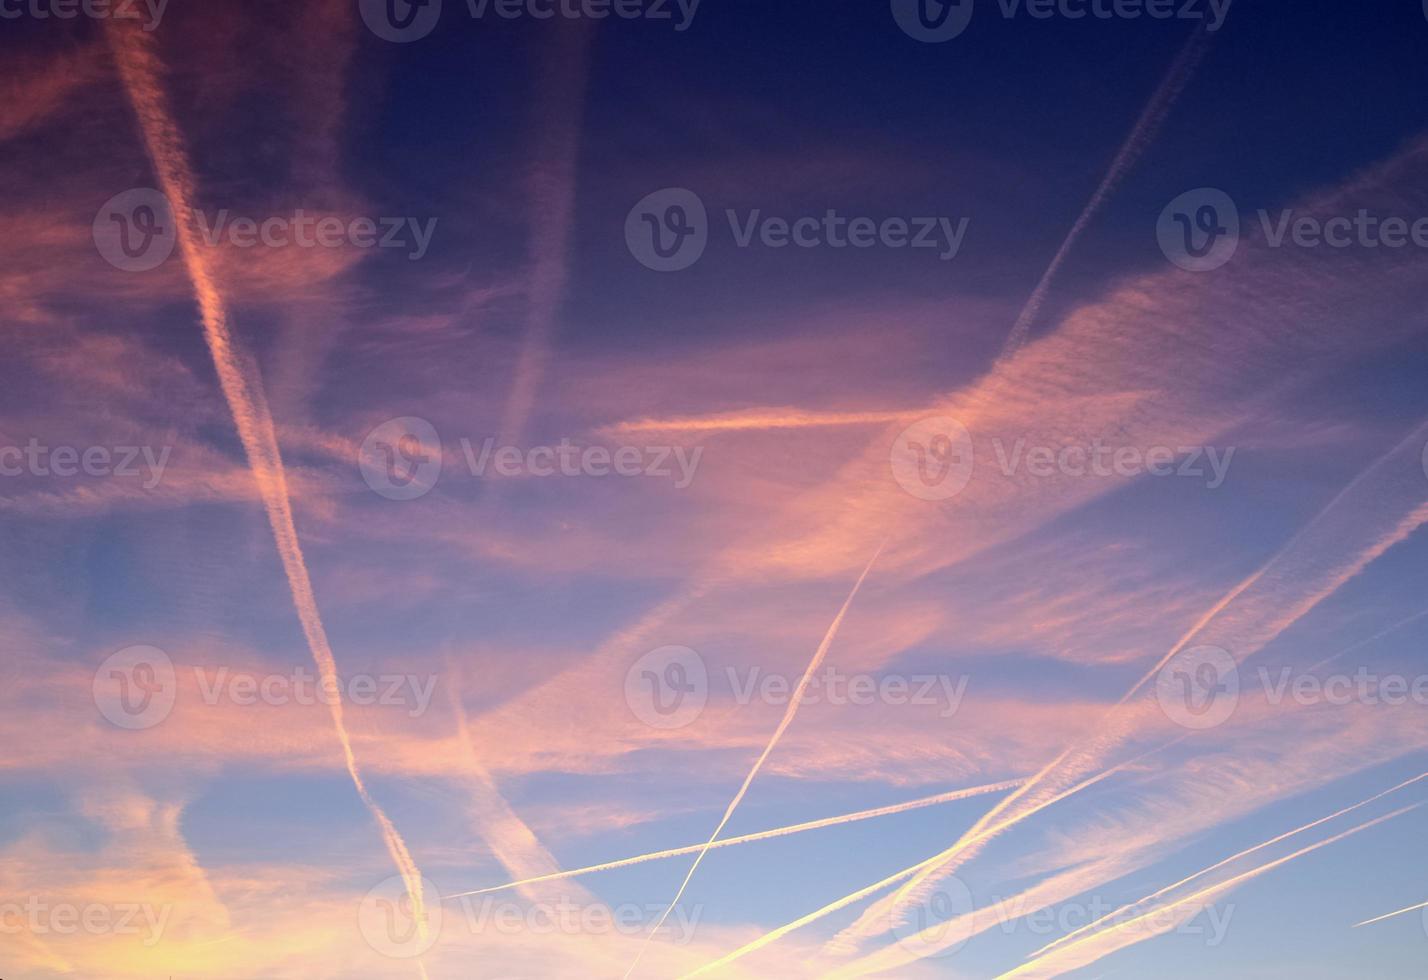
<point>1413,439</point>
<point>1145,129</point>
<point>1380,918</point>
<point>1372,639</point>
<point>1147,125</point>
<point>770,937</point>
<point>1232,858</point>
<point>788,715</point>
<point>1113,737</point>
<point>1202,893</point>
<point>985,828</point>
<point>552,184</point>
<point>512,842</point>
<point>798,828</point>
<point>762,418</point>
<point>140,71</point>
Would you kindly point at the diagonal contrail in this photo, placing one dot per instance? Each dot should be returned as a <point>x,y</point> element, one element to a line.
<point>998,820</point>
<point>1141,134</point>
<point>876,887</point>
<point>1380,918</point>
<point>1037,964</point>
<point>511,840</point>
<point>140,70</point>
<point>784,722</point>
<point>1049,947</point>
<point>798,828</point>
<point>552,184</point>
<point>1113,737</point>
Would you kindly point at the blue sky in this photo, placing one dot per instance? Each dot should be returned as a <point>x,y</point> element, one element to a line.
<point>441,461</point>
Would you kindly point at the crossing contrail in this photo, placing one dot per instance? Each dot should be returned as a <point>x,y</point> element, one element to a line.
<point>1114,736</point>
<point>872,889</point>
<point>784,722</point>
<point>1229,860</point>
<point>798,828</point>
<point>140,70</point>
<point>1039,968</point>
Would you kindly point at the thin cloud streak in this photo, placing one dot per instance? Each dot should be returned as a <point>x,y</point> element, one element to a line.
<point>761,419</point>
<point>919,874</point>
<point>1117,733</point>
<point>1141,135</point>
<point>1229,860</point>
<point>1390,915</point>
<point>512,841</point>
<point>788,715</point>
<point>798,828</point>
<point>140,70</point>
<point>862,893</point>
<point>1039,967</point>
<point>560,114</point>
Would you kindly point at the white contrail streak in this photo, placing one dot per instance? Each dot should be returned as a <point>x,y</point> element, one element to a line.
<point>998,819</point>
<point>1380,918</point>
<point>1387,630</point>
<point>874,888</point>
<point>762,418</point>
<point>798,828</point>
<point>1229,860</point>
<point>1037,964</point>
<point>1113,736</point>
<point>1146,126</point>
<point>788,715</point>
<point>140,70</point>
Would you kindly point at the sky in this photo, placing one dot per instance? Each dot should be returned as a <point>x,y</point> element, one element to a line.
<point>656,488</point>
